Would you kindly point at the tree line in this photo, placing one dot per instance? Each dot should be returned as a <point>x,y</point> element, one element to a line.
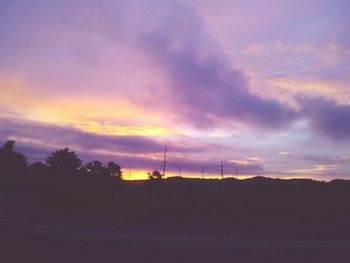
<point>63,162</point>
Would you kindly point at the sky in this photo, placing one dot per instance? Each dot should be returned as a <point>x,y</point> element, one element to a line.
<point>263,88</point>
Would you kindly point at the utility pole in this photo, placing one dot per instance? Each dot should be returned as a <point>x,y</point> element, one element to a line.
<point>164,162</point>
<point>202,172</point>
<point>222,169</point>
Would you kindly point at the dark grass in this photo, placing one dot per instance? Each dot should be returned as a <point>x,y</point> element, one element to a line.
<point>80,219</point>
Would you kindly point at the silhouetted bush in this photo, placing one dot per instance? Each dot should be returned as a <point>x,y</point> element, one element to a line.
<point>155,175</point>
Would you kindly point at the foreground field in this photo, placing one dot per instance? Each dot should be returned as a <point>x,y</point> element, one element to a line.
<point>30,241</point>
<point>177,221</point>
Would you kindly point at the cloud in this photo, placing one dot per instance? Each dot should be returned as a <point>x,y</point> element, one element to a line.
<point>285,153</point>
<point>38,140</point>
<point>200,86</point>
<point>188,166</point>
<point>57,136</point>
<point>318,170</point>
<point>203,88</point>
<point>326,116</point>
<point>326,160</point>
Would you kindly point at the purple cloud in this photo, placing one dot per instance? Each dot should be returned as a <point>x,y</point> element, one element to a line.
<point>174,57</point>
<point>174,164</point>
<point>205,90</point>
<point>326,160</point>
<point>326,116</point>
<point>64,136</point>
<point>37,140</point>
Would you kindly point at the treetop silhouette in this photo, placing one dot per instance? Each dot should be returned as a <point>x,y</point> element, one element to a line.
<point>12,163</point>
<point>96,168</point>
<point>64,162</point>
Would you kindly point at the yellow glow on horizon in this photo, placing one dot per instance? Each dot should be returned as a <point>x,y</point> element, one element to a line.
<point>142,175</point>
<point>139,174</point>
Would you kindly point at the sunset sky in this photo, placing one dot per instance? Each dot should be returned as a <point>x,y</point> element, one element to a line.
<point>263,86</point>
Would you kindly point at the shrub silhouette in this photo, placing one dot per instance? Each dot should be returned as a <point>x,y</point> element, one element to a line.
<point>64,162</point>
<point>155,175</point>
<point>12,163</point>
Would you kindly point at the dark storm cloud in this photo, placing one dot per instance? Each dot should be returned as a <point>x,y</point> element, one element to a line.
<point>326,116</point>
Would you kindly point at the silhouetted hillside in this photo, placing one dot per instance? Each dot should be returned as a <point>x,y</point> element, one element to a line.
<point>63,187</point>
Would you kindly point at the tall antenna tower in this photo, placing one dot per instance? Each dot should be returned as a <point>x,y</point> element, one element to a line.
<point>164,162</point>
<point>222,169</point>
<point>202,172</point>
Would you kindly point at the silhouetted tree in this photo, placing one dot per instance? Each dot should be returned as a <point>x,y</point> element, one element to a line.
<point>155,175</point>
<point>95,168</point>
<point>12,163</point>
<point>64,162</point>
<point>39,168</point>
<point>114,169</point>
<point>83,171</point>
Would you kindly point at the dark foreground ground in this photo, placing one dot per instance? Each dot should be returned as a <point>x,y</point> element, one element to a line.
<point>46,224</point>
<point>38,242</point>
